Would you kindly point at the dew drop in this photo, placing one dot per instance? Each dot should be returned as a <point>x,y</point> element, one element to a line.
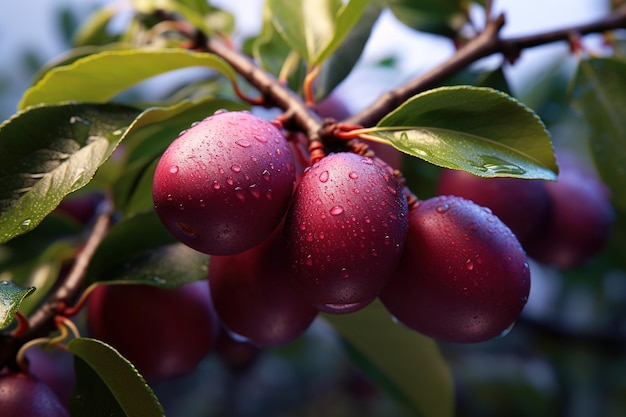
<point>345,273</point>
<point>324,176</point>
<point>174,169</point>
<point>26,222</point>
<point>216,185</point>
<point>442,208</point>
<point>254,190</point>
<point>235,168</point>
<point>220,111</point>
<point>303,226</point>
<point>240,193</point>
<point>169,197</point>
<point>243,143</point>
<point>266,175</point>
<point>469,265</point>
<point>309,261</point>
<point>337,210</point>
<point>260,138</point>
<point>268,194</point>
<point>353,175</point>
<point>309,238</point>
<point>392,190</point>
<point>230,181</point>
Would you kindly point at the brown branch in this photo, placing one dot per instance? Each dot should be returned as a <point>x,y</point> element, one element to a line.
<point>273,91</point>
<point>485,44</point>
<point>41,323</point>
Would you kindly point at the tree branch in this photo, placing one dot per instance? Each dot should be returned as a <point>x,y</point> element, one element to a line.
<point>485,44</point>
<point>41,323</point>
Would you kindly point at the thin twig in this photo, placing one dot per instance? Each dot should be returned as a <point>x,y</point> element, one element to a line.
<point>485,44</point>
<point>42,322</point>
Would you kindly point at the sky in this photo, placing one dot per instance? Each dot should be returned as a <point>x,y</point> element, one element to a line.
<point>34,27</point>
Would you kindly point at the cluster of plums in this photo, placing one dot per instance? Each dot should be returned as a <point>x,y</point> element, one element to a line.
<point>286,245</point>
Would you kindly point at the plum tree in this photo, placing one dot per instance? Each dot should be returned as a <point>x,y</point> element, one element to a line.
<point>23,395</point>
<point>254,298</point>
<point>520,204</point>
<point>345,231</point>
<point>224,184</point>
<point>463,277</point>
<point>288,210</point>
<point>165,333</point>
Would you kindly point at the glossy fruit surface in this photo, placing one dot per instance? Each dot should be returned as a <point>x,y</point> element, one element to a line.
<point>224,184</point>
<point>23,395</point>
<point>579,222</point>
<point>463,276</point>
<point>345,230</point>
<point>164,333</point>
<point>55,368</point>
<point>254,298</point>
<point>521,204</point>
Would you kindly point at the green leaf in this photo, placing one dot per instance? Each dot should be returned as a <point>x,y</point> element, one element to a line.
<point>47,152</point>
<point>165,267</point>
<point>599,94</point>
<point>315,28</point>
<point>441,17</point>
<point>340,63</point>
<point>100,77</point>
<point>94,31</point>
<point>108,385</point>
<point>139,249</point>
<point>406,363</point>
<point>479,130</point>
<point>40,271</point>
<point>11,296</point>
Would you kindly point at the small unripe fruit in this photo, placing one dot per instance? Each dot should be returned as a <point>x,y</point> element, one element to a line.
<point>345,231</point>
<point>23,395</point>
<point>463,276</point>
<point>253,297</point>
<point>225,183</point>
<point>521,204</point>
<point>164,333</point>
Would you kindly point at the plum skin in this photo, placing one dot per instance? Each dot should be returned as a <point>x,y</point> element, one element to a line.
<point>579,221</point>
<point>22,395</point>
<point>253,297</point>
<point>520,203</point>
<point>463,277</point>
<point>224,184</point>
<point>345,231</point>
<point>163,332</point>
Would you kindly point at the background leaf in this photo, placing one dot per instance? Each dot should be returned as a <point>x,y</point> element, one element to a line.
<point>11,296</point>
<point>107,385</point>
<point>476,129</point>
<point>315,28</point>
<point>165,267</point>
<point>48,152</point>
<point>599,94</point>
<point>441,17</point>
<point>139,249</point>
<point>406,363</point>
<point>100,77</point>
<point>341,62</point>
